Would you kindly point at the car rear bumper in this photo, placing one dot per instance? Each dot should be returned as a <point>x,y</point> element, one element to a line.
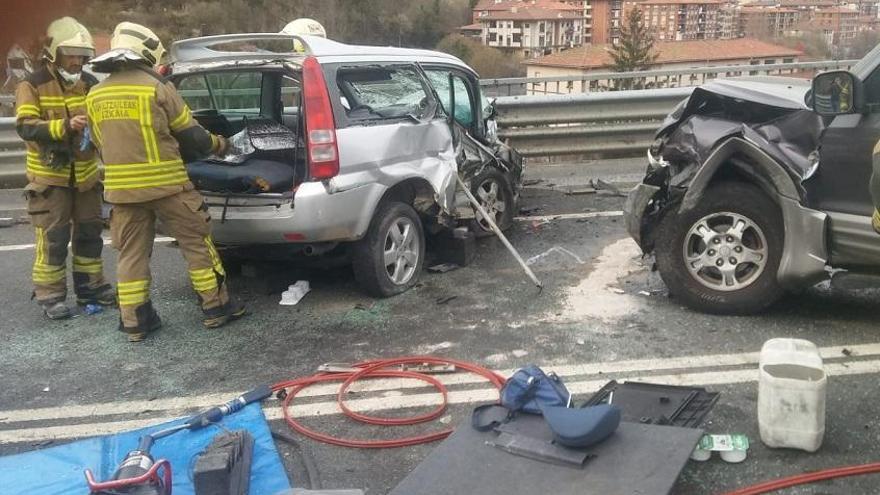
<point>314,214</point>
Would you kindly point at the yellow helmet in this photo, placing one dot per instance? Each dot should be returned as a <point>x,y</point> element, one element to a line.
<point>139,40</point>
<point>305,26</point>
<point>66,36</point>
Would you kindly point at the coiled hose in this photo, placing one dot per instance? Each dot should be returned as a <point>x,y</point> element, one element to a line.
<point>379,369</point>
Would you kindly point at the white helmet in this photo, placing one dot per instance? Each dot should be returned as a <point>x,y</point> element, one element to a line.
<point>138,39</point>
<point>67,36</point>
<point>305,26</point>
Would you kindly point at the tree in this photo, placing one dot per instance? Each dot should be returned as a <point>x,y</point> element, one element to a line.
<point>635,51</point>
<point>865,42</point>
<point>487,61</point>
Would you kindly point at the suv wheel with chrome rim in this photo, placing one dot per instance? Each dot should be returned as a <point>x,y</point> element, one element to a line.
<point>723,255</point>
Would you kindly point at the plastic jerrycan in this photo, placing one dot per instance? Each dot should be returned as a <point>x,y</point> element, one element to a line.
<point>791,395</point>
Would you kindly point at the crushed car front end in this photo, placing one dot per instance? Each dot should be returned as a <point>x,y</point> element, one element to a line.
<point>759,116</point>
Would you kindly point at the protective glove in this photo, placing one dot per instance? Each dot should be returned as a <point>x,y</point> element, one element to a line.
<point>240,144</point>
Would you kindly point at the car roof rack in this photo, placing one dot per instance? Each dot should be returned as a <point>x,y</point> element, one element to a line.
<point>195,49</point>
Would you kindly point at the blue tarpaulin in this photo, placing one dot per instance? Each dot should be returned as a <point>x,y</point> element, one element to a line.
<point>59,470</point>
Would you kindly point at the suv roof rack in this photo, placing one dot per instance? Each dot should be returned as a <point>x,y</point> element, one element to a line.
<point>195,49</point>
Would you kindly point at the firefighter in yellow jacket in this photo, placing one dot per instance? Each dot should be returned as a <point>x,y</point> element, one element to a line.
<point>64,197</point>
<point>141,125</point>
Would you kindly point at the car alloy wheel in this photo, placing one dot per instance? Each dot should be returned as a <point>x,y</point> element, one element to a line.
<point>725,251</point>
<point>492,199</point>
<point>401,252</point>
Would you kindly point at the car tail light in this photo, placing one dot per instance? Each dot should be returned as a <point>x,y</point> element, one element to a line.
<point>323,153</point>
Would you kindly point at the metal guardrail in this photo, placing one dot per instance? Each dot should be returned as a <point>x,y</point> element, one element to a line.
<point>11,155</point>
<point>590,124</point>
<point>593,124</point>
<point>652,79</point>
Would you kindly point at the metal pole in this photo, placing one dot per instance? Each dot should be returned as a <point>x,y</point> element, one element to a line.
<point>497,231</point>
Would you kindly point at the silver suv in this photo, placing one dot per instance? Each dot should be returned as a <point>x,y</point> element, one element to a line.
<point>354,147</point>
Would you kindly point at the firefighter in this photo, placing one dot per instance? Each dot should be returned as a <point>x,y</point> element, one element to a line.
<point>63,194</point>
<point>304,26</point>
<point>141,126</point>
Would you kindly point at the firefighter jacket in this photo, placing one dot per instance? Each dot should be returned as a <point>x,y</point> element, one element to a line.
<point>43,110</point>
<point>141,125</point>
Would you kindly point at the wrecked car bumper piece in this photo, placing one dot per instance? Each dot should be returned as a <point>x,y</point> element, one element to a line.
<point>634,209</point>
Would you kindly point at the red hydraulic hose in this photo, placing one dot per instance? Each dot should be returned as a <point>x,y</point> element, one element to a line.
<point>378,369</point>
<point>806,478</point>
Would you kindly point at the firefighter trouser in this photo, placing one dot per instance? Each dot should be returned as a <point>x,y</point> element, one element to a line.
<point>59,214</point>
<point>133,228</point>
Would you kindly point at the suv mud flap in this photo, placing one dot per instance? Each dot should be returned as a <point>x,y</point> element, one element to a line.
<point>805,254</point>
<point>634,209</point>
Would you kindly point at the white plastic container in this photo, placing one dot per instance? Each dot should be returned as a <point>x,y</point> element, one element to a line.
<point>791,395</point>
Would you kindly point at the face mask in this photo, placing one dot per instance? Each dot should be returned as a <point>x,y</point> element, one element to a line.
<point>68,77</point>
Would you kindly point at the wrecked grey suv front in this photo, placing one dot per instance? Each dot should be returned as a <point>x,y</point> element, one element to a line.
<point>760,185</point>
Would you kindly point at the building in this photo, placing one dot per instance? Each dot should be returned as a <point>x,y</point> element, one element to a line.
<point>728,21</point>
<point>606,19</point>
<point>680,20</point>
<point>529,27</point>
<point>842,22</point>
<point>767,22</point>
<point>593,59</point>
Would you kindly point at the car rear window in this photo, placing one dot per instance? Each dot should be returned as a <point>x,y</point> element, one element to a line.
<point>237,92</point>
<point>375,93</point>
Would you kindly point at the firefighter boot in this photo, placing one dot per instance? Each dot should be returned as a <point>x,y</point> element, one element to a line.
<point>104,295</point>
<point>56,310</point>
<point>148,321</point>
<point>221,315</point>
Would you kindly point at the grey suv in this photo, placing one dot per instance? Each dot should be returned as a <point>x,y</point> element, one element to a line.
<point>761,185</point>
<point>357,149</point>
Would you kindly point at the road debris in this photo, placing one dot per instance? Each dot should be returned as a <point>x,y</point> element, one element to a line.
<point>443,268</point>
<point>731,448</point>
<point>554,249</point>
<point>580,191</point>
<point>601,185</point>
<point>295,293</point>
<point>446,300</point>
<point>6,222</point>
<point>93,309</point>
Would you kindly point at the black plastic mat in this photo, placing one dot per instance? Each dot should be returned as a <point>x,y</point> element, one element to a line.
<point>638,459</point>
<point>657,404</point>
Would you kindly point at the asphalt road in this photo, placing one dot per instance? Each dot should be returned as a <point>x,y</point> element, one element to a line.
<point>602,315</point>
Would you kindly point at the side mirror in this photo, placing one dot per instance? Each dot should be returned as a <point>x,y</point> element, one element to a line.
<point>835,93</point>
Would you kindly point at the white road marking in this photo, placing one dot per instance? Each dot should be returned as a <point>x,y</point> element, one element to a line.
<point>686,370</point>
<point>25,247</point>
<point>569,216</point>
<point>274,412</point>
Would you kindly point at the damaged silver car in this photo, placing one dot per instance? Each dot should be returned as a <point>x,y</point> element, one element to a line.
<point>761,185</point>
<point>343,147</point>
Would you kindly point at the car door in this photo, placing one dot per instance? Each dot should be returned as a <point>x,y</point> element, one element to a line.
<point>841,185</point>
<point>390,128</point>
<point>469,103</point>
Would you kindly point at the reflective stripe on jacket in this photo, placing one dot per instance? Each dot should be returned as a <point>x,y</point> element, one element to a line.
<point>43,110</point>
<point>139,123</point>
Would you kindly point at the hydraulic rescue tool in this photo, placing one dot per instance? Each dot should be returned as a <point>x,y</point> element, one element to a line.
<point>140,474</point>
